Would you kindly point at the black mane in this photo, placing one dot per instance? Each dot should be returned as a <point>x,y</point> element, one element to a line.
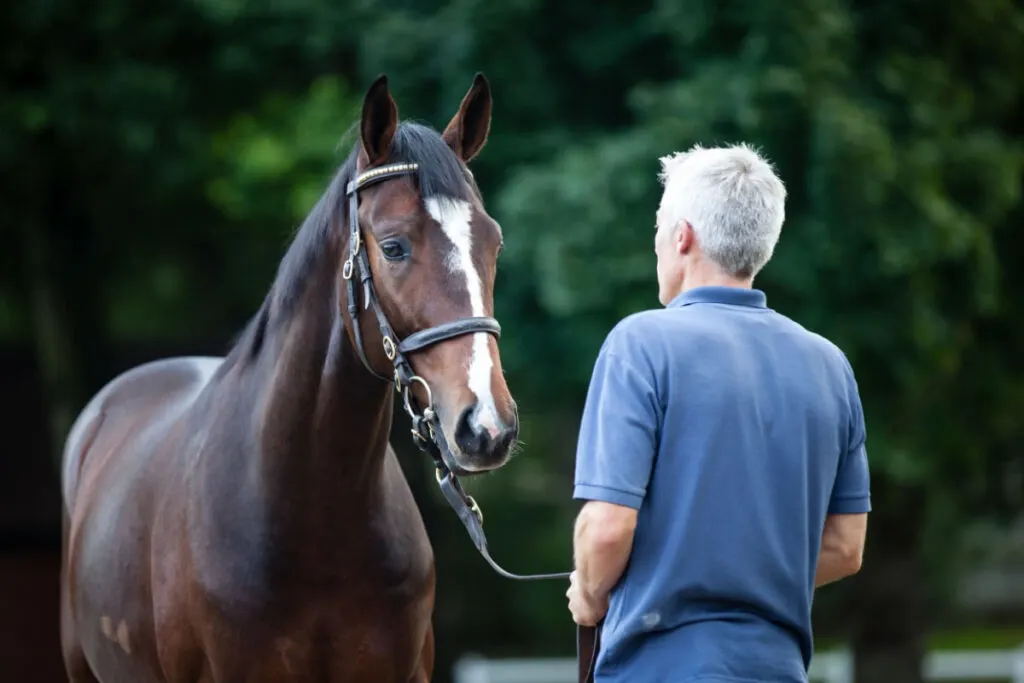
<point>440,173</point>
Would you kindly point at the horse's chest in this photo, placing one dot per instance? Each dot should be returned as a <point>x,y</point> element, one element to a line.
<point>328,619</point>
<point>335,641</point>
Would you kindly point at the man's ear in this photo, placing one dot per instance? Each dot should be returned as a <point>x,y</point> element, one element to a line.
<point>684,237</point>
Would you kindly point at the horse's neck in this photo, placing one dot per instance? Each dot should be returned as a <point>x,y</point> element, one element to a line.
<point>324,421</point>
<point>320,424</point>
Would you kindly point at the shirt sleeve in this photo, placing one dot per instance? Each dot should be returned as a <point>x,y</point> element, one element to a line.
<point>851,492</point>
<point>619,432</point>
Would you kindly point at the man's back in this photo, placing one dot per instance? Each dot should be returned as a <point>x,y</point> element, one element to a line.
<point>761,435</point>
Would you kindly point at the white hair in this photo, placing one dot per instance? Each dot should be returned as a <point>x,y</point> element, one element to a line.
<point>732,198</point>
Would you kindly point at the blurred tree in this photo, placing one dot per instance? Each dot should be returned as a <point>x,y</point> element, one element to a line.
<point>156,159</point>
<point>107,108</point>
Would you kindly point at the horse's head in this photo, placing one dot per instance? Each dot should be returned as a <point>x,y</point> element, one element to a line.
<point>432,250</point>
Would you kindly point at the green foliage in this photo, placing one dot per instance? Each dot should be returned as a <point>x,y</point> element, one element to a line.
<point>286,149</point>
<point>157,160</point>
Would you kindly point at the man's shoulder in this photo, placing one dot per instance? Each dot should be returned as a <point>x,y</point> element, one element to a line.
<point>637,324</point>
<point>633,342</point>
<point>634,334</point>
<point>657,334</point>
<point>813,340</point>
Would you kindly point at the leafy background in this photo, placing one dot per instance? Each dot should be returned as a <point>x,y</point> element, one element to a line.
<point>156,159</point>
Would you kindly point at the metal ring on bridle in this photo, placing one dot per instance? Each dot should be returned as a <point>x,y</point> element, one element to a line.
<point>389,348</point>
<point>426,387</point>
<point>346,270</point>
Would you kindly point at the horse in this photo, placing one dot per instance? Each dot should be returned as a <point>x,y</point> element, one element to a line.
<point>245,518</point>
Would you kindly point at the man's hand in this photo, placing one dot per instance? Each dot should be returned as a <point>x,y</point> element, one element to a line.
<point>585,610</point>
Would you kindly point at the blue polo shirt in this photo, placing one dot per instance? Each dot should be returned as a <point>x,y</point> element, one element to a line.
<point>734,431</point>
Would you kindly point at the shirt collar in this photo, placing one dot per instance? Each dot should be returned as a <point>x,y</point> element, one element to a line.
<point>731,296</point>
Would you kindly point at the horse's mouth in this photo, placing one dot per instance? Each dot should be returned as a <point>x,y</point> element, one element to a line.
<point>464,464</point>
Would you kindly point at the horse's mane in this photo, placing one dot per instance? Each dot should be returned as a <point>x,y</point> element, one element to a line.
<point>440,173</point>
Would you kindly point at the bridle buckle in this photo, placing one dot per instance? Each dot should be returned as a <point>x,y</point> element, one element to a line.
<point>389,348</point>
<point>477,512</point>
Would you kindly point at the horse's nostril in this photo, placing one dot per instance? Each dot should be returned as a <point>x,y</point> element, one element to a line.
<point>472,439</point>
<point>506,439</point>
<point>468,439</point>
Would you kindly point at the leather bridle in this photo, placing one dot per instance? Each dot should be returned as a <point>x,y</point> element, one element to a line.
<point>357,267</point>
<point>426,427</point>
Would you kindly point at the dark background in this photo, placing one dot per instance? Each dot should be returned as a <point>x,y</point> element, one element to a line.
<point>155,159</point>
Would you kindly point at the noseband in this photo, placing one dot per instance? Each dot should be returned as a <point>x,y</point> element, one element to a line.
<point>426,426</point>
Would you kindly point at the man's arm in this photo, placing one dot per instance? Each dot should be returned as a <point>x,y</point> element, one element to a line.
<point>842,547</point>
<point>602,543</point>
<point>614,456</point>
<point>846,525</point>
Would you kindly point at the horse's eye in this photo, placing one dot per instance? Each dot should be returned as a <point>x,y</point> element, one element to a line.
<point>394,250</point>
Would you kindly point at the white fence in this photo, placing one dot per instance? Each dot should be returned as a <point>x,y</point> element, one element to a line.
<point>836,666</point>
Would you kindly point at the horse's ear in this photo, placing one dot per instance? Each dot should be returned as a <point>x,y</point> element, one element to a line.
<point>467,131</point>
<point>380,120</point>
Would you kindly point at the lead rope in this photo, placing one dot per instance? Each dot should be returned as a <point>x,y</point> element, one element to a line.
<point>425,432</point>
<point>425,428</point>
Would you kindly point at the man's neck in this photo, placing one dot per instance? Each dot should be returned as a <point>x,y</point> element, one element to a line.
<point>707,276</point>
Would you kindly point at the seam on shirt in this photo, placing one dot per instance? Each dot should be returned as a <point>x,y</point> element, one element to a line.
<point>710,679</point>
<point>635,500</point>
<point>852,496</point>
<point>609,488</point>
<point>848,506</point>
<point>861,443</point>
<point>731,307</point>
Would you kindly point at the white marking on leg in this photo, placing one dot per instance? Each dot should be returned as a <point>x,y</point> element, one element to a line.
<point>122,637</point>
<point>454,216</point>
<point>107,626</point>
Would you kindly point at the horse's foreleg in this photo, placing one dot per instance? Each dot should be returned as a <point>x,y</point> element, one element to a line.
<point>75,663</point>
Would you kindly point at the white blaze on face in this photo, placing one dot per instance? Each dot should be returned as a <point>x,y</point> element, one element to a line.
<point>454,216</point>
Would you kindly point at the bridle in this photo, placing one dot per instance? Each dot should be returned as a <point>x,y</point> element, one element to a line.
<point>357,267</point>
<point>426,427</point>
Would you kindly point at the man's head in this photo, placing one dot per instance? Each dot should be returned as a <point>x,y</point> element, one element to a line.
<point>719,219</point>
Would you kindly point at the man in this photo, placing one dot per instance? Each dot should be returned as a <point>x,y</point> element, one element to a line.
<point>721,452</point>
